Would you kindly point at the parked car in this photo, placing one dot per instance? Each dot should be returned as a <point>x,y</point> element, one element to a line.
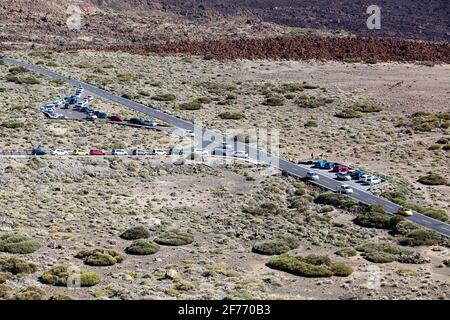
<point>176,152</point>
<point>66,106</point>
<point>38,152</point>
<point>373,180</point>
<point>119,152</point>
<point>135,121</point>
<point>364,177</point>
<point>311,175</point>
<point>240,154</point>
<point>200,151</point>
<point>357,174</point>
<point>80,153</point>
<point>116,118</point>
<point>79,90</point>
<point>343,176</point>
<point>149,123</point>
<point>190,133</point>
<point>221,152</point>
<point>73,99</point>
<point>89,98</point>
<point>59,153</point>
<point>159,152</point>
<point>405,212</point>
<point>346,189</point>
<point>329,165</point>
<point>101,115</point>
<point>140,153</point>
<point>96,152</point>
<point>91,116</point>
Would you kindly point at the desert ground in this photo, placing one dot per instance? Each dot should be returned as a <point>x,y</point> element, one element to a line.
<point>235,218</point>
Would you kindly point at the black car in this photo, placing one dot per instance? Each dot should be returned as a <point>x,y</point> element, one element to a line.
<point>136,121</point>
<point>38,152</point>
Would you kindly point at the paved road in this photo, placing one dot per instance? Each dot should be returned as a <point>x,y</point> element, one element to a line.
<point>216,139</point>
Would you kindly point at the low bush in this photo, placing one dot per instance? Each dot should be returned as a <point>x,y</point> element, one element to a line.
<point>203,100</point>
<point>142,247</point>
<point>31,293</point>
<point>5,291</point>
<point>135,233</point>
<point>62,275</point>
<point>17,266</point>
<point>311,124</point>
<point>346,252</point>
<point>231,115</point>
<point>60,296</point>
<point>100,257</point>
<point>420,237</point>
<point>19,244</point>
<point>433,180</point>
<point>276,246</point>
<point>386,253</point>
<point>375,217</point>
<point>175,238</point>
<point>274,101</point>
<point>191,106</point>
<point>348,114</point>
<point>366,108</point>
<point>5,276</point>
<point>336,200</point>
<point>164,97</point>
<point>309,266</point>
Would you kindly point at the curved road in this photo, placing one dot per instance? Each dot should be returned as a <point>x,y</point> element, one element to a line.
<point>214,139</point>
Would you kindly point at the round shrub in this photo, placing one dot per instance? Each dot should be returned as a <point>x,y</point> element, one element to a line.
<point>433,180</point>
<point>5,276</point>
<point>164,97</point>
<point>276,246</point>
<point>340,269</point>
<point>60,296</point>
<point>100,257</point>
<point>5,291</point>
<point>61,274</point>
<point>346,252</point>
<point>380,257</point>
<point>190,106</point>
<point>374,217</point>
<point>142,247</point>
<point>135,233</point>
<point>18,244</point>
<point>31,293</point>
<point>297,266</point>
<point>420,237</point>
<point>274,101</point>
<point>17,266</point>
<point>175,238</point>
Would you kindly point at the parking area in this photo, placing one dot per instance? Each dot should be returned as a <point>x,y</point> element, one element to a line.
<point>350,176</point>
<point>78,107</point>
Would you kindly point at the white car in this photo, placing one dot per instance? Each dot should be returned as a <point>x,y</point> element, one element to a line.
<point>159,152</point>
<point>119,152</point>
<point>364,177</point>
<point>190,133</point>
<point>343,176</point>
<point>59,153</point>
<point>201,151</point>
<point>312,176</point>
<point>373,180</point>
<point>346,189</point>
<point>240,154</point>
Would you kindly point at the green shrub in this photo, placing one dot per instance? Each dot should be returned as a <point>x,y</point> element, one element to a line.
<point>17,266</point>
<point>5,276</point>
<point>374,217</point>
<point>291,87</point>
<point>142,247</point>
<point>5,291</point>
<point>276,246</point>
<point>60,296</point>
<point>366,108</point>
<point>100,257</point>
<point>311,124</point>
<point>164,97</point>
<point>175,238</point>
<point>203,100</point>
<point>309,86</point>
<point>20,244</point>
<point>434,147</point>
<point>231,115</point>
<point>433,180</point>
<point>336,200</point>
<point>31,293</point>
<point>309,266</point>
<point>340,269</point>
<point>426,121</point>
<point>135,233</point>
<point>380,257</point>
<point>191,106</point>
<point>348,114</point>
<point>59,276</point>
<point>17,70</point>
<point>386,253</point>
<point>446,147</point>
<point>274,101</point>
<point>346,252</point>
<point>420,237</point>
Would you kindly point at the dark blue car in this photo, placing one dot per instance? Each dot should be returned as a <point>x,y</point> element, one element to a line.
<point>38,152</point>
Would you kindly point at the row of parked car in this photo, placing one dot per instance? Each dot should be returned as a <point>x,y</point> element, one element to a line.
<point>137,152</point>
<point>345,173</point>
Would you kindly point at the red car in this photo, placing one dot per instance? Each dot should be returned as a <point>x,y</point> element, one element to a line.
<point>116,118</point>
<point>96,152</point>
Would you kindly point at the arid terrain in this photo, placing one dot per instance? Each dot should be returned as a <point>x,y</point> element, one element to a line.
<point>190,227</point>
